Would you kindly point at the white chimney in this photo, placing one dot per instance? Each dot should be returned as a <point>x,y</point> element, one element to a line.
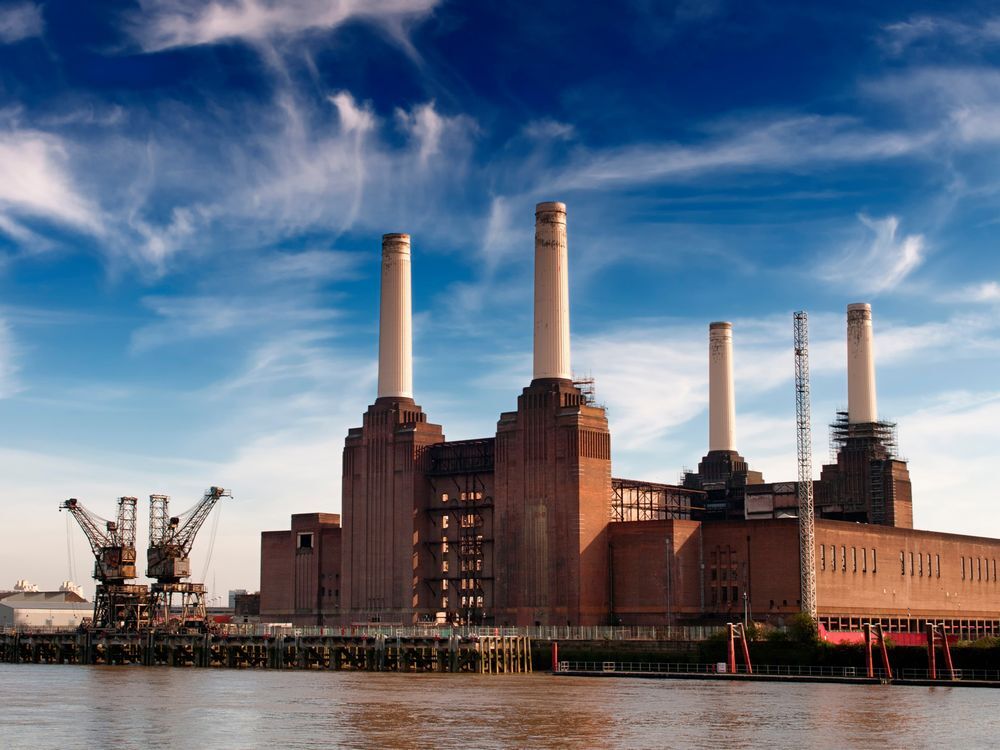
<point>395,329</point>
<point>721,397</point>
<point>861,404</point>
<point>551,293</point>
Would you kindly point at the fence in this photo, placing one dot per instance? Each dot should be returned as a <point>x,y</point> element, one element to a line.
<point>666,668</point>
<point>543,633</point>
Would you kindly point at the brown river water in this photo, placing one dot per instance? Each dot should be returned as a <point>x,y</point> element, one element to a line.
<point>182,709</point>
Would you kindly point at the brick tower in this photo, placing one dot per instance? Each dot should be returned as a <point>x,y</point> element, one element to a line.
<point>553,469</point>
<point>383,480</point>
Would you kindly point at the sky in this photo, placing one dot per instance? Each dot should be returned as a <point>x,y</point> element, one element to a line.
<point>193,192</point>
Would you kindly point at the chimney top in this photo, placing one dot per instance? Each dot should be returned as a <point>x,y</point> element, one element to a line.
<point>859,306</point>
<point>550,207</point>
<point>719,324</point>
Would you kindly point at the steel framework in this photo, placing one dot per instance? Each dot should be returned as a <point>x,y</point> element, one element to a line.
<point>462,508</point>
<point>117,603</point>
<point>168,560</point>
<point>633,500</point>
<point>803,434</point>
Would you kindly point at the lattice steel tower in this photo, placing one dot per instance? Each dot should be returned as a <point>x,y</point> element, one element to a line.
<point>803,434</point>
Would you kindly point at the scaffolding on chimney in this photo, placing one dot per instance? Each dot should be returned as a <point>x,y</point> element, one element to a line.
<point>883,433</point>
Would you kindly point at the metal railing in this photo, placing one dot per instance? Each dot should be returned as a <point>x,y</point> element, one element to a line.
<point>542,633</point>
<point>667,668</point>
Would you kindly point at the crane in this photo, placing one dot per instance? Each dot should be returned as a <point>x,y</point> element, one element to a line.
<point>803,434</point>
<point>168,558</point>
<point>117,603</point>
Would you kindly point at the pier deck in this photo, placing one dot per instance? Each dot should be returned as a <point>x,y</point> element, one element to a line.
<point>379,653</point>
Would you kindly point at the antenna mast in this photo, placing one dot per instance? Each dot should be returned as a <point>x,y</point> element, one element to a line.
<point>803,434</point>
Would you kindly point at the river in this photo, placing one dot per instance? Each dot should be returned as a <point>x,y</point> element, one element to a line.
<point>135,707</point>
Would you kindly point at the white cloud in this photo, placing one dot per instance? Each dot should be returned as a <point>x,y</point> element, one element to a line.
<point>796,142</point>
<point>881,265</point>
<point>270,296</point>
<point>949,443</point>
<point>353,119</point>
<point>900,36</point>
<point>182,23</point>
<point>8,362</point>
<point>36,181</point>
<point>20,21</point>
<point>547,129</point>
<point>426,127</point>
<point>986,292</point>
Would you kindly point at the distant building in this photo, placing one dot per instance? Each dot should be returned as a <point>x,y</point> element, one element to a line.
<point>233,593</point>
<point>43,609</point>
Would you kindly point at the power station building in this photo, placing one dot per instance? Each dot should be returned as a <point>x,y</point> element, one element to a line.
<point>528,526</point>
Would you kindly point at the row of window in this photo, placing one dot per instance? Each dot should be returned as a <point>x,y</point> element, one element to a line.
<point>833,562</point>
<point>978,569</point>
<point>917,564</point>
<point>467,601</point>
<point>463,496</point>
<point>467,521</point>
<point>722,594</point>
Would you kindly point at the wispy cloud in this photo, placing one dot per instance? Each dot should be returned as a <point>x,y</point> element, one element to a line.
<point>774,145</point>
<point>948,441</point>
<point>986,292</point>
<point>184,23</point>
<point>898,37</point>
<point>269,297</point>
<point>882,264</point>
<point>36,181</point>
<point>8,362</point>
<point>20,21</point>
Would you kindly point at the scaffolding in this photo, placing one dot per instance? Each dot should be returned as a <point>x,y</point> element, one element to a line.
<point>881,433</point>
<point>634,500</point>
<point>586,386</point>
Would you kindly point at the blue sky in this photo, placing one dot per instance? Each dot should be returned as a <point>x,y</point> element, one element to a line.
<point>192,196</point>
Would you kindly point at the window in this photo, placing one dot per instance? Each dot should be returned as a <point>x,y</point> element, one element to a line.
<point>843,557</point>
<point>736,594</point>
<point>929,568</point>
<point>444,522</point>
<point>911,563</point>
<point>902,563</point>
<point>822,556</point>
<point>444,584</point>
<point>874,561</point>
<point>994,570</point>
<point>963,567</point>
<point>444,497</point>
<point>444,545</point>
<point>937,561</point>
<point>833,556</point>
<point>715,574</point>
<point>444,602</point>
<point>864,559</point>
<point>854,557</point>
<point>920,559</point>
<point>444,566</point>
<point>304,540</point>
<point>979,564</point>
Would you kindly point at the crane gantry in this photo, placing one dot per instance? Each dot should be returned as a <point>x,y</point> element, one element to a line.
<point>121,605</point>
<point>118,604</point>
<point>168,560</point>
